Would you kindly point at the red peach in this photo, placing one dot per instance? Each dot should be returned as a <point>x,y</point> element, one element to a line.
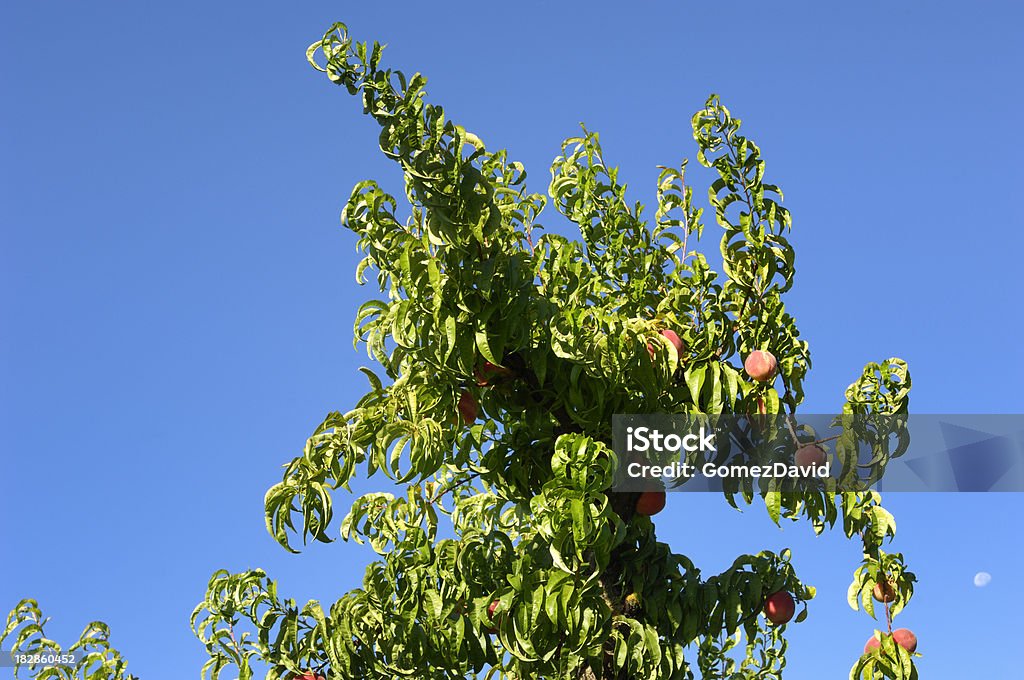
<point>872,643</point>
<point>779,607</point>
<point>760,365</point>
<point>809,454</point>
<point>468,407</point>
<point>650,503</point>
<point>672,337</point>
<point>492,608</point>
<point>905,639</point>
<point>883,592</point>
<point>488,372</point>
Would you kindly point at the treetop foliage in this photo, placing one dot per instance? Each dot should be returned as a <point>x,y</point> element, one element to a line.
<point>502,352</point>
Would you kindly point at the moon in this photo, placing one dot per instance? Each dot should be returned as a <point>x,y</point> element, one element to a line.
<point>982,579</point>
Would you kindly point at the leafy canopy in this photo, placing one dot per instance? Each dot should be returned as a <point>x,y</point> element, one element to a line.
<point>508,555</point>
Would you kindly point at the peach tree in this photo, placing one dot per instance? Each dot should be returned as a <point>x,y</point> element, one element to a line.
<point>502,351</point>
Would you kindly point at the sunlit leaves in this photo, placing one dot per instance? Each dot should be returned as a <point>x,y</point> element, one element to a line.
<point>885,568</point>
<point>889,660</point>
<point>538,569</point>
<point>757,257</point>
<point>576,329</point>
<point>91,657</point>
<point>882,388</point>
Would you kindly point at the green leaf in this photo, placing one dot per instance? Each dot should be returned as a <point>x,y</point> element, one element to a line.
<point>484,347</point>
<point>694,378</point>
<point>773,500</point>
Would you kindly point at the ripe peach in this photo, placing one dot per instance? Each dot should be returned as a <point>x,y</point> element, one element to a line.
<point>492,608</point>
<point>488,373</point>
<point>809,454</point>
<point>672,337</point>
<point>760,365</point>
<point>468,408</point>
<point>872,643</point>
<point>650,503</point>
<point>905,639</point>
<point>883,592</point>
<point>779,607</point>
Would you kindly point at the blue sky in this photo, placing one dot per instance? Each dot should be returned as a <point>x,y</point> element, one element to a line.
<point>176,296</point>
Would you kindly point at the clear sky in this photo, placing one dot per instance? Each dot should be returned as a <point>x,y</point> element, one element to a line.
<point>176,296</point>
